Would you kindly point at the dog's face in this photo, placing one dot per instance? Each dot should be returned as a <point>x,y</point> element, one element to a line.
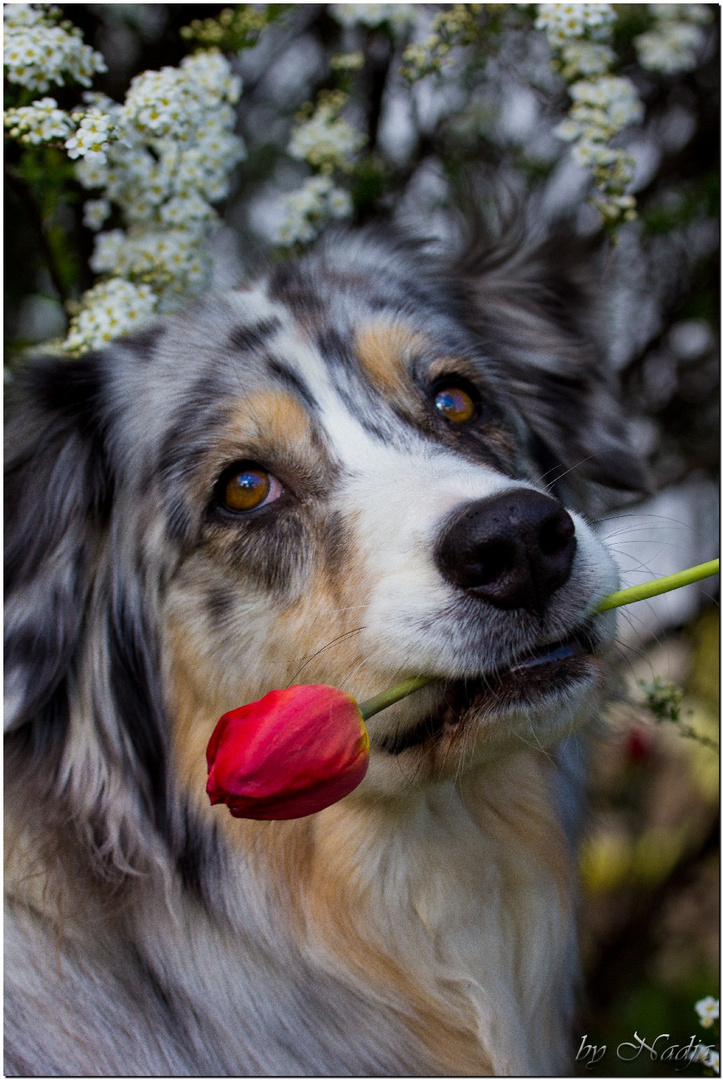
<point>326,477</point>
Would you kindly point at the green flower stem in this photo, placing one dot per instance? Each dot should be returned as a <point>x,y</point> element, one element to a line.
<point>394,693</point>
<point>616,599</point>
<point>659,585</point>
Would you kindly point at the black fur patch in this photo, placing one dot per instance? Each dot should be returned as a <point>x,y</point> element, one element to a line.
<point>290,379</point>
<point>36,750</point>
<point>254,336</point>
<point>133,678</point>
<point>143,343</point>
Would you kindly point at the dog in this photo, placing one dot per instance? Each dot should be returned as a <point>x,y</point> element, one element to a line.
<point>370,463</point>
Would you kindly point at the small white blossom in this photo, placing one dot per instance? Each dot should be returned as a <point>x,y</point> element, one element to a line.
<point>95,212</point>
<point>708,1011</point>
<point>712,1060</point>
<point>339,203</point>
<point>91,138</point>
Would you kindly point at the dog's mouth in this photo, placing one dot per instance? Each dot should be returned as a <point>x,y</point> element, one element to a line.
<point>535,675</point>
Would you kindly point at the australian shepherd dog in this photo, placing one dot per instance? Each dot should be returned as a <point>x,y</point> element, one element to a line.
<point>366,465</point>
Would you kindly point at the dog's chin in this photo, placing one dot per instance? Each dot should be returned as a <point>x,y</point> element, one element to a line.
<point>530,701</point>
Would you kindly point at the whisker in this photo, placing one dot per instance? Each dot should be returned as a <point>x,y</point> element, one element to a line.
<point>329,645</point>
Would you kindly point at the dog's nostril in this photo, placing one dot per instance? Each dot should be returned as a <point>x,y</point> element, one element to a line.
<point>556,533</point>
<point>513,550</point>
<point>492,561</point>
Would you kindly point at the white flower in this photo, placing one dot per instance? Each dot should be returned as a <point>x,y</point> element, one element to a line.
<point>95,212</point>
<point>91,138</point>
<point>107,252</point>
<point>708,1010</point>
<point>339,203</point>
<point>91,174</point>
<point>712,1060</point>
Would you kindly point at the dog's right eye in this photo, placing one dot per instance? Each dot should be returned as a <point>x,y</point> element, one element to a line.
<point>245,487</point>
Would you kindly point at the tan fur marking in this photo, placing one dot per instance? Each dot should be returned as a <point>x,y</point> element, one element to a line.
<point>341,914</point>
<point>272,417</point>
<point>384,350</point>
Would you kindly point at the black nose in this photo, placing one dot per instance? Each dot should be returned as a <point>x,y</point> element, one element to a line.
<point>513,550</point>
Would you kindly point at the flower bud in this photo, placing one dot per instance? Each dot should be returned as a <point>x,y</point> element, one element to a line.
<point>290,754</point>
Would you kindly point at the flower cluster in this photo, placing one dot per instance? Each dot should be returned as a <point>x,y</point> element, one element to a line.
<point>157,162</point>
<point>306,210</point>
<point>170,160</point>
<point>452,26</point>
<point>233,29</point>
<point>326,140</point>
<point>398,16</point>
<point>40,122</point>
<point>37,51</point>
<point>603,104</point>
<point>329,144</point>
<point>565,22</point>
<point>676,38</point>
<point>109,309</point>
<point>91,138</point>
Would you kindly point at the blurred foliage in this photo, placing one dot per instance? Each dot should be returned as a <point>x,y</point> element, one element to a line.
<point>650,862</point>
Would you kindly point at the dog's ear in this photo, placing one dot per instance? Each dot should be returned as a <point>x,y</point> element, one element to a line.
<point>58,489</point>
<point>84,704</point>
<point>533,308</point>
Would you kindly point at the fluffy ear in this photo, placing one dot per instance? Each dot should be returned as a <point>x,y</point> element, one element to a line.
<point>532,307</point>
<point>84,701</point>
<point>58,489</point>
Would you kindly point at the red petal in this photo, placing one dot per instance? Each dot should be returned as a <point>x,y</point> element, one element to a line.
<point>290,754</point>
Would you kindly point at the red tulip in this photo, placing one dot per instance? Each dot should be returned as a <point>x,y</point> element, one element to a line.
<point>290,754</point>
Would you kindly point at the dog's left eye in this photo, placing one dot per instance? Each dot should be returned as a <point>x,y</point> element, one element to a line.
<point>456,403</point>
<point>247,486</point>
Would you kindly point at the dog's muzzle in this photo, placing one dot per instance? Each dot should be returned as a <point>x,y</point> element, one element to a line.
<point>513,550</point>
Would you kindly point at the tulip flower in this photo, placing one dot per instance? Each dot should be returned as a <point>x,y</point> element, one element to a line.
<point>288,755</point>
<point>299,750</point>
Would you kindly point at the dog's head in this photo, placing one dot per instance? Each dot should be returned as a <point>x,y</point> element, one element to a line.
<point>363,467</point>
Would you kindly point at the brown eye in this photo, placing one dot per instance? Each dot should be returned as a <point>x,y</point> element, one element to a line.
<point>455,404</point>
<point>246,487</point>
